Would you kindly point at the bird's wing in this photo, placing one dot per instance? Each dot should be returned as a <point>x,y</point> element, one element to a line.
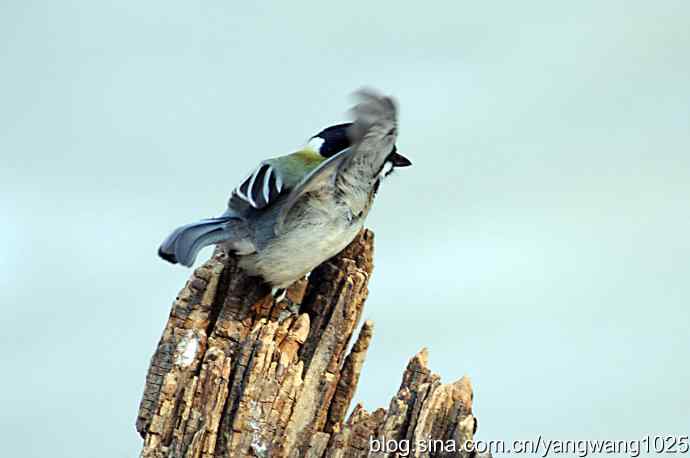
<point>375,127</point>
<point>372,134</point>
<point>260,188</point>
<point>321,176</point>
<point>272,179</point>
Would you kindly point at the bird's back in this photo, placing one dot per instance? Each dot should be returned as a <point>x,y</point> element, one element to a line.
<point>292,168</point>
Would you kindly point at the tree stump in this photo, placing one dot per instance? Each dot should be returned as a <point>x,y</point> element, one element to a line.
<point>236,374</point>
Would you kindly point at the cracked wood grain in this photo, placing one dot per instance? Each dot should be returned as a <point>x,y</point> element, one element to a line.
<point>236,374</point>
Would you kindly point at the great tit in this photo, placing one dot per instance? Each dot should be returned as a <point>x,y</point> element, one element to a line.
<point>296,211</point>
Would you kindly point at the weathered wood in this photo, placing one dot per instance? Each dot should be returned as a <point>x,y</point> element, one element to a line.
<point>236,374</point>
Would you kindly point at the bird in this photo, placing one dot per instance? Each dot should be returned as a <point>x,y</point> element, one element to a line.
<point>293,212</point>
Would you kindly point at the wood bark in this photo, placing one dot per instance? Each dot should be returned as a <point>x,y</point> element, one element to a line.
<point>236,374</point>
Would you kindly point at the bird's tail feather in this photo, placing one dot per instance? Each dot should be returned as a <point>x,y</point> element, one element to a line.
<point>185,242</point>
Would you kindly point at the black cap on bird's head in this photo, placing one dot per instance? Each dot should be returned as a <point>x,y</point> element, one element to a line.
<point>331,140</point>
<point>335,139</point>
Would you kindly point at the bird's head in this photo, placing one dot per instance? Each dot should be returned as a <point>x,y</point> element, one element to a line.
<point>334,139</point>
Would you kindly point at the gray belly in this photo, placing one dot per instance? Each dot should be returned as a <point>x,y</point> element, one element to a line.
<point>311,239</point>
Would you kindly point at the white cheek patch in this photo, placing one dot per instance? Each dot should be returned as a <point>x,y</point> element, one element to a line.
<point>386,169</point>
<point>316,143</point>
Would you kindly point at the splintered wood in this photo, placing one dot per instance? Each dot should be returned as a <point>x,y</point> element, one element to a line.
<point>236,374</point>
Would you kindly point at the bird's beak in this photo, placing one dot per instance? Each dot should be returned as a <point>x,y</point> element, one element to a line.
<point>399,160</point>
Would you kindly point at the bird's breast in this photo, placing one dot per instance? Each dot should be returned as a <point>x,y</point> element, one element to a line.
<point>322,230</point>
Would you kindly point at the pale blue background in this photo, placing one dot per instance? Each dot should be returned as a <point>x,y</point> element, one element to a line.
<point>539,244</point>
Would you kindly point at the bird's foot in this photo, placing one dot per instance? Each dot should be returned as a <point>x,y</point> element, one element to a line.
<point>287,312</point>
<point>279,295</point>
